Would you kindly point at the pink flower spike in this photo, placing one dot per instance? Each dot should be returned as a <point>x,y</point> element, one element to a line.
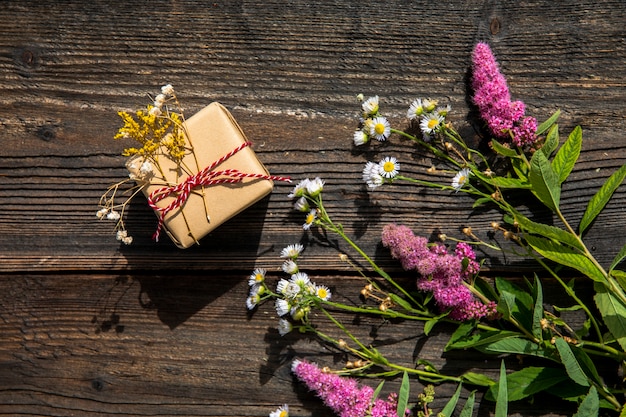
<point>343,395</point>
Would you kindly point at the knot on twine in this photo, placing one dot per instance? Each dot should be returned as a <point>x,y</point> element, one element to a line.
<point>205,177</point>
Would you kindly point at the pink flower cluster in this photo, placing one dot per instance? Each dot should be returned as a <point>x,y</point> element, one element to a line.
<point>504,118</point>
<point>344,395</point>
<point>441,272</point>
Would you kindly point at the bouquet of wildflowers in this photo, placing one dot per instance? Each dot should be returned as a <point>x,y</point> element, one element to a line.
<point>495,317</point>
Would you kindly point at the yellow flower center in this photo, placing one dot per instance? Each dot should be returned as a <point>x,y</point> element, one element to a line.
<point>284,413</point>
<point>432,123</point>
<point>258,277</point>
<point>389,166</point>
<point>379,128</point>
<point>309,218</point>
<point>462,179</point>
<point>322,293</point>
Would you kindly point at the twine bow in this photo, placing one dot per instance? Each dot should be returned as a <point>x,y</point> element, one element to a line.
<point>205,177</point>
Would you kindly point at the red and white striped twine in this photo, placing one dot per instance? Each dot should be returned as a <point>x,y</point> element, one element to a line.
<point>206,177</point>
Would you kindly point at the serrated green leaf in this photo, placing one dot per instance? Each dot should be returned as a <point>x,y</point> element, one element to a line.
<point>528,381</point>
<point>552,141</point>
<point>451,404</point>
<point>565,256</point>
<point>503,150</point>
<point>601,198</point>
<point>547,231</point>
<point>568,154</point>
<point>546,124</point>
<point>545,182</point>
<point>524,298</point>
<point>613,312</point>
<point>503,182</point>
<point>590,406</point>
<point>474,378</point>
<point>403,395</point>
<point>537,309</point>
<point>503,396</point>
<point>572,367</point>
<point>468,407</point>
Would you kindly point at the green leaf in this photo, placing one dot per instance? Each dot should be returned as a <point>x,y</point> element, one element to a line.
<point>537,309</point>
<point>547,231</point>
<point>572,367</point>
<point>377,391</point>
<point>613,312</point>
<point>480,201</point>
<point>601,198</point>
<point>482,338</point>
<point>545,182</point>
<point>527,382</point>
<point>474,378</point>
<point>552,141</point>
<point>568,154</point>
<point>451,404</point>
<point>503,150</point>
<point>403,395</point>
<point>516,346</point>
<point>400,301</point>
<point>620,277</point>
<point>468,408</point>
<point>506,305</point>
<point>565,256</point>
<point>428,326</point>
<point>590,406</point>
<point>523,296</point>
<point>503,182</point>
<point>462,333</point>
<point>546,125</point>
<point>503,395</point>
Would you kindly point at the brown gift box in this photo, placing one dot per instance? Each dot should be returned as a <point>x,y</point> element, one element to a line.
<point>213,133</point>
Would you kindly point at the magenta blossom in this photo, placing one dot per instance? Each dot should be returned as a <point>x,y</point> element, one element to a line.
<point>344,395</point>
<point>505,119</point>
<point>441,272</point>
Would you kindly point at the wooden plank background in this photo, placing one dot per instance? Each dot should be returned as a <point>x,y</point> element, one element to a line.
<point>92,328</point>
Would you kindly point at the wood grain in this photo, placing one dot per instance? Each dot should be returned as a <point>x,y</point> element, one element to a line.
<point>93,328</point>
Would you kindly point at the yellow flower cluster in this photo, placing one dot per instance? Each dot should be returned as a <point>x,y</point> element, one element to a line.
<point>153,130</point>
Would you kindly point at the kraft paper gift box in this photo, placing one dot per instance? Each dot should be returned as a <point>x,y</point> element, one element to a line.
<point>219,146</point>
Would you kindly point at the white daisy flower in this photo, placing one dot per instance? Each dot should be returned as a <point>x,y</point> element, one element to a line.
<point>299,189</point>
<point>282,286</point>
<point>360,138</point>
<point>460,179</point>
<point>301,279</point>
<point>252,301</point>
<point>443,110</point>
<point>370,106</point>
<point>302,204</point>
<point>314,187</point>
<point>430,123</point>
<point>284,327</point>
<point>380,128</point>
<point>429,105</point>
<point>322,292</point>
<point>416,109</point>
<point>388,167</point>
<point>282,307</point>
<point>257,276</point>
<point>290,267</point>
<point>292,251</point>
<point>371,175</point>
<point>292,290</point>
<point>310,219</point>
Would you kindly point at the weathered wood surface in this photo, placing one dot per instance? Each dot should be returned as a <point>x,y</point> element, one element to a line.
<point>289,73</point>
